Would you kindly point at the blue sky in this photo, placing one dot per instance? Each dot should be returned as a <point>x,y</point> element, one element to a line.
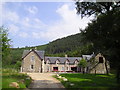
<point>38,23</point>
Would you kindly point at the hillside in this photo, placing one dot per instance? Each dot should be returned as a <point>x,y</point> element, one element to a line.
<point>71,45</point>
<point>66,45</point>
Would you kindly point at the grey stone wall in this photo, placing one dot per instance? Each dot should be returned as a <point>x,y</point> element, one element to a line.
<point>27,62</point>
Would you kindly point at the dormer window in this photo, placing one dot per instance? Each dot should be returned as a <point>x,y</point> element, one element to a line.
<point>32,58</point>
<point>57,62</point>
<point>76,62</point>
<point>48,62</point>
<point>67,62</point>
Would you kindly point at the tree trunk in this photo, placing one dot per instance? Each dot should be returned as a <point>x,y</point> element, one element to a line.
<point>83,70</point>
<point>107,72</point>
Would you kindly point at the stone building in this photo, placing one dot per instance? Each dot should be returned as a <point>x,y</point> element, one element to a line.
<point>99,65</point>
<point>35,61</point>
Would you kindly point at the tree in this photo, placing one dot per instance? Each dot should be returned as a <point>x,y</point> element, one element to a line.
<point>97,8</point>
<point>5,46</point>
<point>18,65</point>
<point>103,32</point>
<point>83,64</point>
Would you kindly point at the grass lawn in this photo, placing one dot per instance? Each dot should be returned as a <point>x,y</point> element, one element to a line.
<point>89,81</point>
<point>9,75</point>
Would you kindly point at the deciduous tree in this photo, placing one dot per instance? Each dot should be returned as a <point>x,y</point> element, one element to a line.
<point>5,45</point>
<point>103,32</point>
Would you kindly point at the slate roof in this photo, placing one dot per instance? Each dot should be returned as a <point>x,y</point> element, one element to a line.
<point>39,53</point>
<point>54,59</point>
<point>87,57</point>
<point>62,59</point>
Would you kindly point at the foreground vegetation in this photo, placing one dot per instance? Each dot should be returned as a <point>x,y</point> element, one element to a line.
<point>87,81</point>
<point>11,75</point>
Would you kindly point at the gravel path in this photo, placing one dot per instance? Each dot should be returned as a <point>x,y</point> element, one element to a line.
<point>44,80</point>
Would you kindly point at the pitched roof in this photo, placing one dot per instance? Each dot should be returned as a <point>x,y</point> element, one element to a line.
<point>87,57</point>
<point>62,59</point>
<point>54,59</point>
<point>39,53</point>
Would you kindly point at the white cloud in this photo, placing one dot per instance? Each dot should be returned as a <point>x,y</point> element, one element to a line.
<point>23,35</point>
<point>69,24</point>
<point>35,23</point>
<point>25,22</point>
<point>13,29</point>
<point>12,16</point>
<point>32,10</point>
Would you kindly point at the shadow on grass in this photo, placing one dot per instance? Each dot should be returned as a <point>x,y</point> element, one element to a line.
<point>90,81</point>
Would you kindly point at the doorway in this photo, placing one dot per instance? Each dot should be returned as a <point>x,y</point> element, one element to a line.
<point>55,68</point>
<point>74,69</point>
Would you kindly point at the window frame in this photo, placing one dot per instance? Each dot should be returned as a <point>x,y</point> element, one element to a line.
<point>101,60</point>
<point>32,58</point>
<point>32,67</point>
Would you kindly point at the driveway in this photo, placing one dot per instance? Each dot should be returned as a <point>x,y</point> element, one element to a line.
<point>44,80</point>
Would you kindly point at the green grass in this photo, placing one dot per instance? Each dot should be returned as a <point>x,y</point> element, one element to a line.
<point>89,81</point>
<point>11,75</point>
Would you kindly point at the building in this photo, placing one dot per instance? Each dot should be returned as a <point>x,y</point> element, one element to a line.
<point>35,61</point>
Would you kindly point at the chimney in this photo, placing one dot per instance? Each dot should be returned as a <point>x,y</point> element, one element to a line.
<point>66,55</point>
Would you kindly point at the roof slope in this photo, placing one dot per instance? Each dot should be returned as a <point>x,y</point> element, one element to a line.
<point>54,59</point>
<point>39,53</point>
<point>62,59</point>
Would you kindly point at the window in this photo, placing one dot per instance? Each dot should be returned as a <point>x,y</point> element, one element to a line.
<point>62,68</point>
<point>67,68</point>
<point>32,67</point>
<point>100,59</point>
<point>32,58</point>
<point>47,68</point>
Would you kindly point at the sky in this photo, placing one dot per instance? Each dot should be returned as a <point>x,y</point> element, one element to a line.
<point>38,23</point>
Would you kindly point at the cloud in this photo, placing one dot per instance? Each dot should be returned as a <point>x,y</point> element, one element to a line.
<point>34,29</point>
<point>23,35</point>
<point>32,10</point>
<point>25,22</point>
<point>69,24</point>
<point>13,29</point>
<point>33,23</point>
<point>12,16</point>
